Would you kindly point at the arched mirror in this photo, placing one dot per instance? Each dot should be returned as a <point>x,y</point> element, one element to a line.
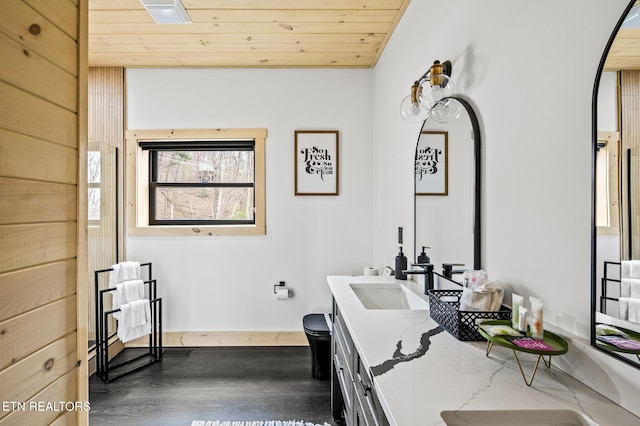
<point>447,190</point>
<point>615,287</point>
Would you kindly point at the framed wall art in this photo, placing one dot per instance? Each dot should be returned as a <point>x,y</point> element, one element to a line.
<point>316,162</point>
<point>431,164</point>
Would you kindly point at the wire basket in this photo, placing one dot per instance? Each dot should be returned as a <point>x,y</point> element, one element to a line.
<point>463,325</point>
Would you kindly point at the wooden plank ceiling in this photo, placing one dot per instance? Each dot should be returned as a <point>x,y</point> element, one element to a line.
<point>625,51</point>
<point>245,33</point>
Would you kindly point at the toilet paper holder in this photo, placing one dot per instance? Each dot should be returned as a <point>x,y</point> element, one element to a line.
<point>280,284</point>
<point>282,292</point>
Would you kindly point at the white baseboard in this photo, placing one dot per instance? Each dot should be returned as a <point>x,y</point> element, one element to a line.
<point>226,338</point>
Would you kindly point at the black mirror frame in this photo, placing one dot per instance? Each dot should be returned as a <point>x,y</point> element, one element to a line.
<point>594,143</point>
<point>477,154</point>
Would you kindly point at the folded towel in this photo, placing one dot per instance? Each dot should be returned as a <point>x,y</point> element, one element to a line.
<point>623,314</point>
<point>126,292</point>
<point>475,300</point>
<point>625,287</point>
<point>140,312</point>
<point>135,320</point>
<point>630,287</point>
<point>634,270</point>
<point>625,269</point>
<point>497,295</point>
<point>634,310</point>
<point>124,271</point>
<point>133,290</point>
<point>630,269</point>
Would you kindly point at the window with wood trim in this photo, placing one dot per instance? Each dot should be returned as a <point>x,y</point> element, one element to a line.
<point>202,182</point>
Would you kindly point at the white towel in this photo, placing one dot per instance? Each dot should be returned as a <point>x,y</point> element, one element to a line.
<point>497,295</point>
<point>475,278</point>
<point>135,320</point>
<point>634,310</point>
<point>630,287</point>
<point>625,269</point>
<point>623,313</point>
<point>124,271</point>
<point>126,292</point>
<point>630,269</point>
<point>634,270</point>
<point>475,300</point>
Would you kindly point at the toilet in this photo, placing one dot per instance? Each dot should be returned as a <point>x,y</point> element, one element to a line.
<point>319,337</point>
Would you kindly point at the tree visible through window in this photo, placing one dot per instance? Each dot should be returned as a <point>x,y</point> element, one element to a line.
<point>93,186</point>
<point>201,182</point>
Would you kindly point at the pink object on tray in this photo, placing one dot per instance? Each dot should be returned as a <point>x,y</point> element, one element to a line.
<point>531,343</point>
<point>620,342</point>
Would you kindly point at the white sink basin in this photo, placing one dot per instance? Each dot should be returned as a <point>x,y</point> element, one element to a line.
<point>515,417</point>
<point>387,296</point>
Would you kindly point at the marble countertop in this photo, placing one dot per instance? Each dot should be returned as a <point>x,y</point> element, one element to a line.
<point>419,369</point>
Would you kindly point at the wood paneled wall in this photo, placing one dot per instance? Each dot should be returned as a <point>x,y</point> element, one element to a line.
<point>106,135</point>
<point>106,105</point>
<point>43,85</point>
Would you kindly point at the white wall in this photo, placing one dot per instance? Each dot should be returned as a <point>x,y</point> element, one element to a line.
<point>529,68</point>
<point>608,103</point>
<point>226,283</point>
<point>607,115</point>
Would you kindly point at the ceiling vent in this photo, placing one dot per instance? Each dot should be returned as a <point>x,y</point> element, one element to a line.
<point>167,11</point>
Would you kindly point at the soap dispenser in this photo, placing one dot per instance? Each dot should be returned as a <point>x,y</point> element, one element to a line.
<point>401,265</point>
<point>423,258</point>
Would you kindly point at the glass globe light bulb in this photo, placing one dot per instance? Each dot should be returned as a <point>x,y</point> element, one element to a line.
<point>447,110</point>
<point>438,86</point>
<point>410,108</point>
<point>411,111</point>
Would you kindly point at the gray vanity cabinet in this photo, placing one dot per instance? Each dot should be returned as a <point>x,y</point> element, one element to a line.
<point>352,395</point>
<point>342,375</point>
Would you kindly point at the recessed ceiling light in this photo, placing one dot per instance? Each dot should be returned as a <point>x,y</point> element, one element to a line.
<point>167,11</point>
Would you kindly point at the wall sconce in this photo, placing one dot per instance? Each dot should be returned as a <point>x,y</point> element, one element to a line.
<point>429,95</point>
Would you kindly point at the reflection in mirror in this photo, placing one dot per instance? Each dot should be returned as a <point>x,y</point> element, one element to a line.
<point>447,190</point>
<point>616,254</point>
<point>633,201</point>
<point>102,214</point>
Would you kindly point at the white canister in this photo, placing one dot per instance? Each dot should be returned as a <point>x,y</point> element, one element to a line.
<point>522,319</point>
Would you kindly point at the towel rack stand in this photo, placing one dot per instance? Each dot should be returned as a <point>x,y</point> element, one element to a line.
<point>606,280</point>
<point>107,370</point>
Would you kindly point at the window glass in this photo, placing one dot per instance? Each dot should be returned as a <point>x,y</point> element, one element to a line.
<point>204,204</point>
<point>201,182</point>
<point>602,187</point>
<point>205,166</point>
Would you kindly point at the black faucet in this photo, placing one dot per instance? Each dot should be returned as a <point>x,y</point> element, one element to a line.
<point>449,272</point>
<point>427,271</point>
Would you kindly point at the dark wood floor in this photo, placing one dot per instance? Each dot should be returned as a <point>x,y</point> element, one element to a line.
<point>221,383</point>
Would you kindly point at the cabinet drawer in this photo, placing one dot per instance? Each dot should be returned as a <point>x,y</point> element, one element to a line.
<point>343,344</point>
<point>366,396</point>
<point>359,416</point>
<point>344,352</point>
<point>343,331</point>
<point>346,389</point>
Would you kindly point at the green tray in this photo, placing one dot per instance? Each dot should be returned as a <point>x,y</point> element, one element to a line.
<point>633,335</point>
<point>559,345</point>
